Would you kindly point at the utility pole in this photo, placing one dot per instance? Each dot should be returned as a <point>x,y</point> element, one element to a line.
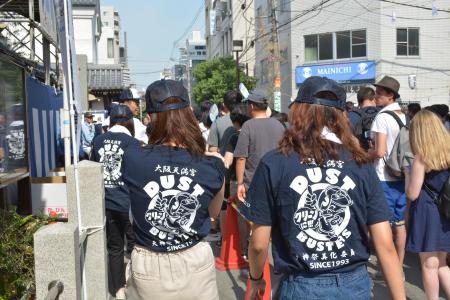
<point>276,75</point>
<point>238,46</point>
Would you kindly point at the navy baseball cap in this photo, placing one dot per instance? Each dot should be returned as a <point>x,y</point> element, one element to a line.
<point>120,113</point>
<point>314,85</point>
<point>129,94</point>
<point>161,90</point>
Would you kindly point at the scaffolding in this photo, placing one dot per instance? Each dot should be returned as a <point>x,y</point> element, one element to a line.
<point>22,34</point>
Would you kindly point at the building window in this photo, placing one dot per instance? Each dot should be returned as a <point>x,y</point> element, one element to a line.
<point>407,41</point>
<point>106,24</point>
<point>311,48</point>
<point>318,47</point>
<point>351,44</point>
<point>359,43</point>
<point>110,45</point>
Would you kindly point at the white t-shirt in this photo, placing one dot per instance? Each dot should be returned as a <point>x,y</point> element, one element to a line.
<point>384,123</point>
<point>140,131</point>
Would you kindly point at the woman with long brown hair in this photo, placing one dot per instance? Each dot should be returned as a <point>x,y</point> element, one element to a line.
<point>428,230</point>
<point>174,190</point>
<point>317,195</point>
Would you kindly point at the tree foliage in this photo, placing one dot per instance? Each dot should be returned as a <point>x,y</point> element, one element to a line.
<point>217,76</point>
<point>16,253</point>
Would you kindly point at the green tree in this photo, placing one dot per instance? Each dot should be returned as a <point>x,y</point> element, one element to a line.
<point>217,76</point>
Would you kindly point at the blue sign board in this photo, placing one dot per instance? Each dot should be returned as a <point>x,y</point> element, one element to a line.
<point>344,73</point>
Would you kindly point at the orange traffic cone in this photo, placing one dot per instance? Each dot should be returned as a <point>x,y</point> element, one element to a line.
<point>268,287</point>
<point>230,253</point>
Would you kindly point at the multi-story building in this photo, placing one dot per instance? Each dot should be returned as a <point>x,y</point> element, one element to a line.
<point>228,20</point>
<point>192,54</point>
<point>357,43</point>
<point>87,26</point>
<point>109,43</point>
<point>97,35</point>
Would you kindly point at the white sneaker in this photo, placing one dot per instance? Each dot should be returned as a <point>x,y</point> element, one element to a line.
<point>120,295</point>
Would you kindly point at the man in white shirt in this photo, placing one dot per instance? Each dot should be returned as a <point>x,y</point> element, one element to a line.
<point>385,130</point>
<point>131,98</point>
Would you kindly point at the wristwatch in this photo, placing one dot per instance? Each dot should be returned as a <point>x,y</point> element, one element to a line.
<point>255,279</point>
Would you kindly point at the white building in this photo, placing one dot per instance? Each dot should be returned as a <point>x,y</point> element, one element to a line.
<point>192,54</point>
<point>109,43</point>
<point>87,28</point>
<point>357,43</point>
<point>97,35</point>
<point>228,20</point>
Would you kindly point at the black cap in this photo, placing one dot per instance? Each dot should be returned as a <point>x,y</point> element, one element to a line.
<point>314,85</point>
<point>88,115</point>
<point>161,90</point>
<point>439,109</point>
<point>129,94</point>
<point>120,113</point>
<point>257,96</point>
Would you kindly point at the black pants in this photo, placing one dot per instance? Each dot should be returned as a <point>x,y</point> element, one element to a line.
<point>117,225</point>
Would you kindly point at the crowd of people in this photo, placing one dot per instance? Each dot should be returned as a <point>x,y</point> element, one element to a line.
<point>317,184</point>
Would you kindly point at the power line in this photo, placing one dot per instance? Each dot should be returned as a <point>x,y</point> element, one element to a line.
<point>399,17</point>
<point>413,5</point>
<point>175,43</point>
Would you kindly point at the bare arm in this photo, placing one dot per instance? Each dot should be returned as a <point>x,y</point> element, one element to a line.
<point>213,149</point>
<point>381,234</point>
<point>257,251</point>
<point>228,159</point>
<point>216,203</point>
<point>380,145</point>
<point>240,168</point>
<point>415,182</point>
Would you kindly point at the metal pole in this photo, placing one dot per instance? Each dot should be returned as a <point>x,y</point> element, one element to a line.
<point>46,59</point>
<point>276,83</point>
<point>32,41</point>
<point>238,79</point>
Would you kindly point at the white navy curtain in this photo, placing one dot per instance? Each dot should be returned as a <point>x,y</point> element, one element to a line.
<point>44,130</point>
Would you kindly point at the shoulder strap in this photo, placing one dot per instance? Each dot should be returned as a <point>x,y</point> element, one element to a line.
<point>396,117</point>
<point>356,112</point>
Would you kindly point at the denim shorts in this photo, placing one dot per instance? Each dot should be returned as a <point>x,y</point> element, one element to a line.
<point>354,285</point>
<point>394,192</point>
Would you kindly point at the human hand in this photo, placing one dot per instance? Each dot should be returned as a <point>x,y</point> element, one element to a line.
<point>216,154</point>
<point>241,192</point>
<point>257,289</point>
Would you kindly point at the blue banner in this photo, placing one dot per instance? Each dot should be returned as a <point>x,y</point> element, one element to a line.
<point>45,147</point>
<point>343,73</point>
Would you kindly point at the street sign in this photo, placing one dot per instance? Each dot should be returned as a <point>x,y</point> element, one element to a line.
<point>277,101</point>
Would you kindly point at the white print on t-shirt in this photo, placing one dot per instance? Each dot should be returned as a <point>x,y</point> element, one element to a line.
<point>16,144</point>
<point>172,210</point>
<point>111,157</point>
<point>322,215</point>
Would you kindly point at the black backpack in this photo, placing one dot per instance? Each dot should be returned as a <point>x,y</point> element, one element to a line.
<point>362,128</point>
<point>441,198</point>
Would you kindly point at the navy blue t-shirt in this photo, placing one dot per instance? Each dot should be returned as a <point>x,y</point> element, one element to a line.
<point>319,215</point>
<point>109,148</point>
<point>170,192</point>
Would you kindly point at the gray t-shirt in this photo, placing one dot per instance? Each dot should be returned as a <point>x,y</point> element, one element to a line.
<point>215,138</point>
<point>257,137</point>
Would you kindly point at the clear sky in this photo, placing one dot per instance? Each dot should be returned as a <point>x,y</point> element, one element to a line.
<point>152,26</point>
